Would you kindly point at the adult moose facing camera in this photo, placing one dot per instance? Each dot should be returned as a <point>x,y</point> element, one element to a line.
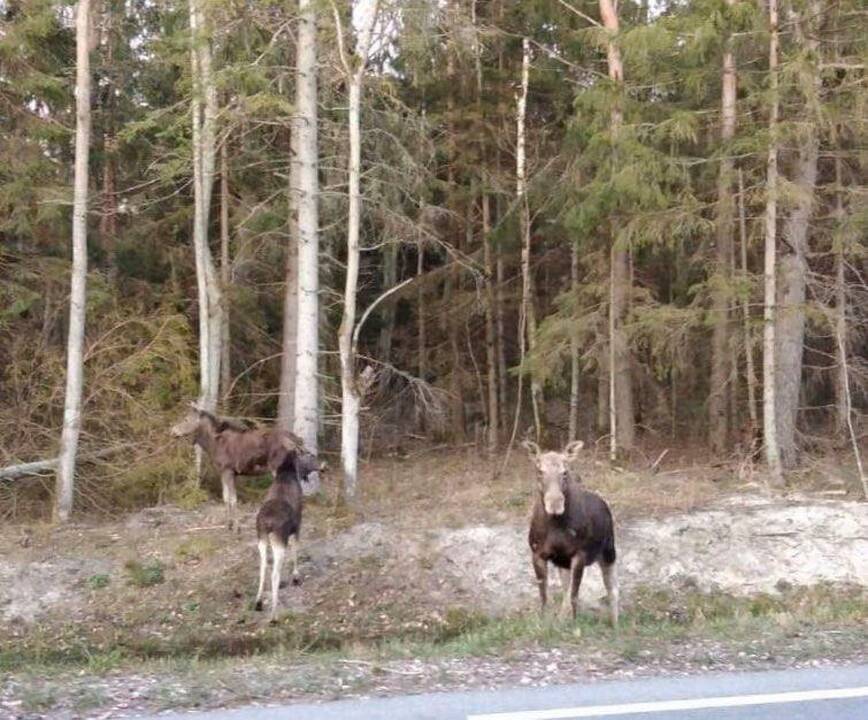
<point>569,527</point>
<point>236,450</point>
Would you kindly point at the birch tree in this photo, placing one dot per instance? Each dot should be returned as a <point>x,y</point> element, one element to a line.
<point>527,318</point>
<point>306,416</point>
<point>204,116</point>
<point>353,386</point>
<point>78,291</point>
<point>770,435</point>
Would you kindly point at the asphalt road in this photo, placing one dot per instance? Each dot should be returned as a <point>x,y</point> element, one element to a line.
<point>812,694</point>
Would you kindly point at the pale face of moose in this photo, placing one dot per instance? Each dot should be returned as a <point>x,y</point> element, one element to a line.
<point>553,473</point>
<point>188,424</point>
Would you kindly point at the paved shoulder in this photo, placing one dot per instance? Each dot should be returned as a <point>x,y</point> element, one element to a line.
<point>815,694</point>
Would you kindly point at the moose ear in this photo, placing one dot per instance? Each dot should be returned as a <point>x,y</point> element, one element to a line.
<point>572,450</point>
<point>532,449</point>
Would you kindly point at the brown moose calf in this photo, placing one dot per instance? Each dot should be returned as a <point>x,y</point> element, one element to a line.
<point>278,522</point>
<point>570,527</point>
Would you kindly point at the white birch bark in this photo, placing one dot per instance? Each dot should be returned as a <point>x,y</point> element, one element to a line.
<point>78,292</point>
<point>574,350</point>
<point>527,311</point>
<point>306,420</point>
<point>351,392</point>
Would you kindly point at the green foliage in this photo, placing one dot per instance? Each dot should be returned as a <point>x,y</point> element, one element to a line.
<point>144,575</point>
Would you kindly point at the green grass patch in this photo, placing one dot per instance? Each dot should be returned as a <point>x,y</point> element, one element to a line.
<point>144,575</point>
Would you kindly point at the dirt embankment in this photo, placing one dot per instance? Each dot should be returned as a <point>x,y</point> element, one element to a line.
<point>740,545</point>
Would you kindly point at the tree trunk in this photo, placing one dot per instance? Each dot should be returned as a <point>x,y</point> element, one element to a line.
<point>745,312</point>
<point>390,278</point>
<point>420,312</point>
<point>78,292</point>
<point>289,346</point>
<point>527,310</point>
<point>204,106</point>
<point>490,344</point>
<point>306,415</point>
<point>500,330</point>
<point>351,390</point>
<point>770,436</point>
<point>721,372</point>
<point>622,427</point>
<point>574,349</point>
<point>108,226</point>
<point>225,270</point>
<point>793,265</point>
<point>842,400</point>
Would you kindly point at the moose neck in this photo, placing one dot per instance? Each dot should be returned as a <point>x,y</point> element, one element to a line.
<point>206,434</point>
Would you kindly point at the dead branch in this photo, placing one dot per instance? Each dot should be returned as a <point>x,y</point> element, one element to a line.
<point>38,467</point>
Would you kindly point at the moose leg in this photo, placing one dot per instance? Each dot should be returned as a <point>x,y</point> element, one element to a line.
<point>610,580</point>
<point>230,499</point>
<point>293,549</point>
<point>540,567</point>
<point>263,566</point>
<point>278,552</point>
<point>577,567</point>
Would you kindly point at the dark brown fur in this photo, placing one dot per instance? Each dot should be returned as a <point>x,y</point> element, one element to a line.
<point>570,527</point>
<point>236,450</point>
<point>279,521</point>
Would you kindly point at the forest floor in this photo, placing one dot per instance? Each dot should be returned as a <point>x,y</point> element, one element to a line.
<point>427,585</point>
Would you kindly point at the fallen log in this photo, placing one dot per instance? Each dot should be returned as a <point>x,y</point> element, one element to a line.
<point>39,467</point>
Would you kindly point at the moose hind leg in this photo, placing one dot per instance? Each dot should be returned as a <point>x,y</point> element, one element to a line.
<point>278,553</point>
<point>540,568</point>
<point>610,580</point>
<point>293,549</point>
<point>263,568</point>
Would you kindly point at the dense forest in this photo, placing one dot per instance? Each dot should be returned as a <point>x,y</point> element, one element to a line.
<point>427,221</point>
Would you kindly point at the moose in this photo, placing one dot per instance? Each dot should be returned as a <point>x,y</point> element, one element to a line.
<point>237,450</point>
<point>279,520</point>
<point>570,527</point>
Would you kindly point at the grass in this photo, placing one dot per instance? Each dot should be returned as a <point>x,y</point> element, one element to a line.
<point>654,619</point>
<point>144,575</point>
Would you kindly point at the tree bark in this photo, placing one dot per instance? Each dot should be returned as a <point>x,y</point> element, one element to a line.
<point>750,372</point>
<point>225,270</point>
<point>622,427</point>
<point>108,226</point>
<point>289,346</point>
<point>793,265</point>
<point>78,293</point>
<point>842,399</point>
<point>490,343</point>
<point>574,349</point>
<point>204,107</point>
<point>351,388</point>
<point>422,337</point>
<point>390,279</point>
<point>527,310</point>
<point>306,415</point>
<point>721,373</point>
<point>770,436</point>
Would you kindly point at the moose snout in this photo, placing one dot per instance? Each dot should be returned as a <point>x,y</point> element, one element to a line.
<point>554,503</point>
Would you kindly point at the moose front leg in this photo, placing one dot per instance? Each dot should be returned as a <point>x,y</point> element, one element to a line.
<point>540,567</point>
<point>230,499</point>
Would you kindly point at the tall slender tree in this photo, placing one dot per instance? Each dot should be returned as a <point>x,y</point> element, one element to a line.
<point>306,420</point>
<point>770,434</point>
<point>78,292</point>
<point>721,374</point>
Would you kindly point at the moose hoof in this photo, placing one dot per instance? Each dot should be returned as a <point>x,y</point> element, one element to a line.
<point>258,606</point>
<point>296,580</point>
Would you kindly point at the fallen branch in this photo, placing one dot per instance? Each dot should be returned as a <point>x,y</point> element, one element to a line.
<point>657,461</point>
<point>39,467</point>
